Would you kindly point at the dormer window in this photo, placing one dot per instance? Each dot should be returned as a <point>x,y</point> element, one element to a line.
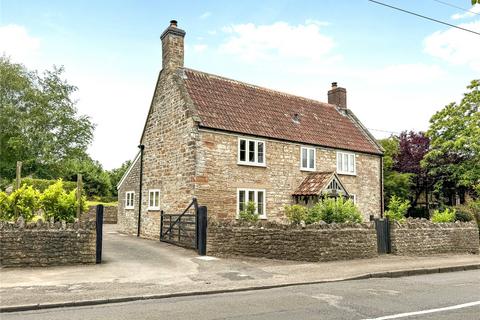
<point>251,152</point>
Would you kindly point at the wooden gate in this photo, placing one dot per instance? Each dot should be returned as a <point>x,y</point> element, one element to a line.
<point>382,227</point>
<point>187,229</point>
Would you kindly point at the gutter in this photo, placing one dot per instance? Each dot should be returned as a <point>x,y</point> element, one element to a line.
<point>142,147</point>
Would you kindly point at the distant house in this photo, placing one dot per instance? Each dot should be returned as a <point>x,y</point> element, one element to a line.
<point>227,142</point>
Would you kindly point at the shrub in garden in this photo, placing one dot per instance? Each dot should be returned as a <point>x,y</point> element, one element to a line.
<point>338,210</point>
<point>296,213</point>
<point>447,215</point>
<point>60,204</point>
<point>249,213</point>
<point>397,209</point>
<point>463,216</point>
<point>42,184</point>
<point>24,202</point>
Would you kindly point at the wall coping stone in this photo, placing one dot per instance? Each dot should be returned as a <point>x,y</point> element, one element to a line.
<point>411,223</point>
<point>40,225</point>
<point>273,225</point>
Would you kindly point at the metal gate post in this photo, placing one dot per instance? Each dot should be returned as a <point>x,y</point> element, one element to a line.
<point>202,230</point>
<point>99,228</point>
<point>161,224</point>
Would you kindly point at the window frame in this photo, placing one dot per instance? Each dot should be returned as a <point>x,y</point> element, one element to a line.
<point>150,192</point>
<point>302,168</point>
<point>348,154</point>
<point>254,163</point>
<point>127,193</point>
<point>247,191</point>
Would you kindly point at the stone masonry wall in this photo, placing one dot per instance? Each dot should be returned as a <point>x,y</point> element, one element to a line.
<point>109,214</point>
<point>169,155</point>
<point>320,242</point>
<point>418,237</point>
<point>127,218</point>
<point>218,175</point>
<point>47,244</point>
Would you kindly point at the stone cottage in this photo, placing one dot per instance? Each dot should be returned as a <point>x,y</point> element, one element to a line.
<point>227,142</point>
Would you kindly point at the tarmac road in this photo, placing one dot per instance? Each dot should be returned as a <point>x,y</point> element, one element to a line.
<point>437,296</point>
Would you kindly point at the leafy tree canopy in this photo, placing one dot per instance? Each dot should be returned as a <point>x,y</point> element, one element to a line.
<point>454,156</point>
<point>40,125</point>
<point>117,174</point>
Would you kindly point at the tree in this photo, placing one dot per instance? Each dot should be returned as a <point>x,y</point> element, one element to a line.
<point>395,183</point>
<point>117,174</point>
<point>454,156</point>
<point>412,149</point>
<point>96,181</point>
<point>40,125</point>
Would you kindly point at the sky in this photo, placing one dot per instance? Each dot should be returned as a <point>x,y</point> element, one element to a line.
<point>398,69</point>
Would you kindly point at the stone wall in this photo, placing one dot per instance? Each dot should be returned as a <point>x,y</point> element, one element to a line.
<point>128,218</point>
<point>423,237</point>
<point>320,242</point>
<point>218,175</point>
<point>109,214</point>
<point>47,244</point>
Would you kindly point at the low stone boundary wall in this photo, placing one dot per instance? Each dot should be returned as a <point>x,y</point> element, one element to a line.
<point>110,214</point>
<point>319,242</point>
<point>47,244</point>
<point>423,237</point>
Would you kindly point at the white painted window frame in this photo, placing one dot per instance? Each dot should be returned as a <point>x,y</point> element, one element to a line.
<point>255,163</point>
<point>348,154</point>
<point>150,192</point>
<point>246,190</point>
<point>354,198</point>
<point>132,193</point>
<point>302,168</point>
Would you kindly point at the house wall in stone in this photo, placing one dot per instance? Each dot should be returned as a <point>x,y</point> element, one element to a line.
<point>127,218</point>
<point>218,175</point>
<point>169,154</point>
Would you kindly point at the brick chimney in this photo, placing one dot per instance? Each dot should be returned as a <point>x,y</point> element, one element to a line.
<point>172,46</point>
<point>337,96</point>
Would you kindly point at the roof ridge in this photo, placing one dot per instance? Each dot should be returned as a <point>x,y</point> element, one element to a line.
<point>260,87</point>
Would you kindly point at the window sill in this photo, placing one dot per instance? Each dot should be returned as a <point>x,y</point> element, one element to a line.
<point>347,173</point>
<point>308,169</point>
<point>153,209</point>
<point>129,208</point>
<point>248,164</point>
<point>259,218</point>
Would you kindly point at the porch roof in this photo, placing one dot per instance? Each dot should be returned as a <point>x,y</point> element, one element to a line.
<point>315,182</point>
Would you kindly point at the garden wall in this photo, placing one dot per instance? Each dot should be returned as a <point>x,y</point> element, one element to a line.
<point>110,214</point>
<point>47,244</point>
<point>319,242</point>
<point>423,237</point>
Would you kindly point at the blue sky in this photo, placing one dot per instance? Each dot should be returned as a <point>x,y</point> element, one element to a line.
<point>398,69</point>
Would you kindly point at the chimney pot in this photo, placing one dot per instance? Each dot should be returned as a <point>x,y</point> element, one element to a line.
<point>334,85</point>
<point>173,23</point>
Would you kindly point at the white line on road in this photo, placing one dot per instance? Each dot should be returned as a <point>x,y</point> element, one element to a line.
<point>409,314</point>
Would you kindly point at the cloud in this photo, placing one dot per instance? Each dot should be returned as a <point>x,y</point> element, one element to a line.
<point>279,40</point>
<point>474,11</point>
<point>16,42</point>
<point>456,46</point>
<point>199,48</point>
<point>205,15</point>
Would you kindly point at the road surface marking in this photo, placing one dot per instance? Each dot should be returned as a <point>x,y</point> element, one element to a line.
<point>415,313</point>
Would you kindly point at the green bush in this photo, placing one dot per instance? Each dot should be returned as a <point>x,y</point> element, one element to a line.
<point>24,202</point>
<point>60,204</point>
<point>338,210</point>
<point>42,184</point>
<point>463,216</point>
<point>296,213</point>
<point>249,214</point>
<point>55,202</point>
<point>397,209</point>
<point>447,215</point>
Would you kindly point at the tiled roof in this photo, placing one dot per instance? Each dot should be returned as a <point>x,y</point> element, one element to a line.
<point>239,107</point>
<point>313,184</point>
